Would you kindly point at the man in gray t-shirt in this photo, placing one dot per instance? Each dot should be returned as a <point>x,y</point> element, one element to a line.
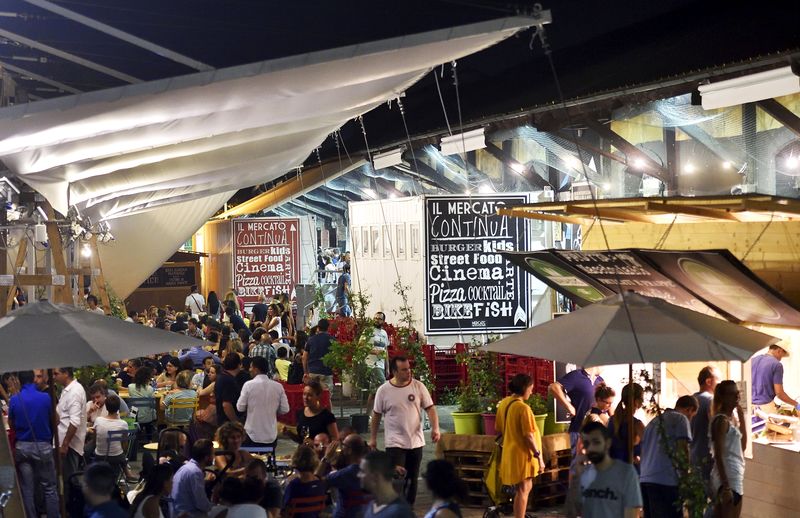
<point>700,450</point>
<point>607,488</point>
<point>658,475</point>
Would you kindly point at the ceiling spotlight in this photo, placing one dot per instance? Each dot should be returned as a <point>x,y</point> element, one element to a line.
<point>606,186</point>
<point>517,167</point>
<point>485,189</point>
<point>467,192</point>
<point>86,251</point>
<point>639,163</point>
<point>791,162</point>
<point>727,165</point>
<point>689,168</point>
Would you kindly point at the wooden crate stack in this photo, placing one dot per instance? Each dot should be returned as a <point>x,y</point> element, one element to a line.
<point>550,488</point>
<point>470,455</point>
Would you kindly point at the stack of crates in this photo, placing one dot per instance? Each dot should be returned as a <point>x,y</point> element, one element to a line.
<point>540,370</point>
<point>445,371</point>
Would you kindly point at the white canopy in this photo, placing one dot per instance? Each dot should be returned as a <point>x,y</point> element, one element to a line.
<point>144,147</point>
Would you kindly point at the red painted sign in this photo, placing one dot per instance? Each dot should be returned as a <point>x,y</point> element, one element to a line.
<point>266,257</point>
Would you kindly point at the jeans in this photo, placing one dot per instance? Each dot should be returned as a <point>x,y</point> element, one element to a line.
<point>660,501</point>
<point>410,460</point>
<point>36,463</point>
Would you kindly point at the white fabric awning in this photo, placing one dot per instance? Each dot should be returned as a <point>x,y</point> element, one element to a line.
<point>126,149</point>
<point>144,147</point>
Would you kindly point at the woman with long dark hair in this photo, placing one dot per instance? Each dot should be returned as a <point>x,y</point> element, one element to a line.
<point>728,442</point>
<point>619,425</point>
<point>141,388</point>
<point>158,485</point>
<point>167,378</point>
<point>522,449</point>
<point>447,489</point>
<point>214,307</point>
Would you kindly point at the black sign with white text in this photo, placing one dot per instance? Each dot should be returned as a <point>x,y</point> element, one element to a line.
<point>470,286</point>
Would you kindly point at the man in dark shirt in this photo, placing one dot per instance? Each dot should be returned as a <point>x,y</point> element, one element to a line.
<point>376,475</point>
<point>236,321</point>
<point>227,389</point>
<point>29,416</point>
<point>352,499</point>
<point>260,309</point>
<point>316,348</point>
<point>579,386</point>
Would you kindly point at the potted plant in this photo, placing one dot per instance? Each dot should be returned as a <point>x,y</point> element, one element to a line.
<point>467,420</point>
<point>489,416</point>
<point>351,344</point>
<point>480,390</point>
<point>538,406</point>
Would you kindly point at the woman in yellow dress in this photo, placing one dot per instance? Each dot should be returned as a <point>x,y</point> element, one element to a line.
<point>522,450</point>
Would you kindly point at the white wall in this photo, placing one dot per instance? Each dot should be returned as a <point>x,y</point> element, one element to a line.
<point>395,253</point>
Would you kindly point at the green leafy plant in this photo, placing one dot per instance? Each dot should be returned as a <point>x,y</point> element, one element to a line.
<point>407,339</point>
<point>352,342</point>
<point>483,376</point>
<point>89,374</point>
<point>448,397</point>
<point>538,404</point>
<point>468,398</point>
<point>118,308</point>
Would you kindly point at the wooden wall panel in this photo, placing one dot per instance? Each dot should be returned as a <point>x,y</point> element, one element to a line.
<point>771,479</point>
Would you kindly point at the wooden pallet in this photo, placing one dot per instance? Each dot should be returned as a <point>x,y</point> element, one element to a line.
<point>470,467</point>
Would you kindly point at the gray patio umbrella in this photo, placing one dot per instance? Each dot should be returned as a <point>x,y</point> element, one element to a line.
<point>44,335</point>
<point>600,334</point>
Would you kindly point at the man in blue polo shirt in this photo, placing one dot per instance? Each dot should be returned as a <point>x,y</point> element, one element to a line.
<point>767,374</point>
<point>29,416</point>
<point>575,391</point>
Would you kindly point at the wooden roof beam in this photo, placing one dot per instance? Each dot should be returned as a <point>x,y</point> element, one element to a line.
<point>781,114</point>
<point>651,168</point>
<point>614,214</point>
<point>521,213</point>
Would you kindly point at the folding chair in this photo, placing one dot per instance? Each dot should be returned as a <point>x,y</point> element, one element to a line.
<point>122,437</point>
<point>136,405</point>
<point>180,404</point>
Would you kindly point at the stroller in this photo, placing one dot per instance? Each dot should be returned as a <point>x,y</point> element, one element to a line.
<point>502,496</point>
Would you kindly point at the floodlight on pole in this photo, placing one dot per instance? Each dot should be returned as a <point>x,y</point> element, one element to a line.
<point>751,88</point>
<point>463,142</point>
<point>387,159</point>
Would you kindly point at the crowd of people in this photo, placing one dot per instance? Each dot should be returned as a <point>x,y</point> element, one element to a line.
<point>620,466</point>
<point>234,381</point>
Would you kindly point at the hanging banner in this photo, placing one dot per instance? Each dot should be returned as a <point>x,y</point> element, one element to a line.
<point>266,257</point>
<point>712,282</point>
<point>548,268</point>
<point>470,286</point>
<point>720,279</point>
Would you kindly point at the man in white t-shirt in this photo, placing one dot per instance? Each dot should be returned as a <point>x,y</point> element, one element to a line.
<point>401,400</point>
<point>195,303</point>
<point>91,305</point>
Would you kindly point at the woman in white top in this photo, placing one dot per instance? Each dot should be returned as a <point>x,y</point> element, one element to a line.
<point>157,486</point>
<point>273,322</point>
<point>728,441</point>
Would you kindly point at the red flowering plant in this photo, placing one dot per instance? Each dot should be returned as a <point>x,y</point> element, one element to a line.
<point>352,342</point>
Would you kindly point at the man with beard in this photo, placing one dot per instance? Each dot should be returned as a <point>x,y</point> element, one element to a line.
<point>607,488</point>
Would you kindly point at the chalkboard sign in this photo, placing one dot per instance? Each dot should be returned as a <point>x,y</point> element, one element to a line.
<point>171,277</point>
<point>266,257</point>
<point>470,286</point>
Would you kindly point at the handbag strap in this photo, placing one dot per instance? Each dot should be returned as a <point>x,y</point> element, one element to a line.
<point>505,416</point>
